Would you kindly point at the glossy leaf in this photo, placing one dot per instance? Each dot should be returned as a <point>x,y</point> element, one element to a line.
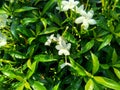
<point>68,36</point>
<point>106,41</point>
<point>44,58</point>
<point>56,87</point>
<point>89,85</point>
<point>29,64</point>
<point>18,55</point>
<point>44,22</point>
<point>31,39</point>
<point>32,70</point>
<point>49,30</point>
<point>95,63</point>
<point>107,82</point>
<point>114,56</point>
<point>88,46</point>
<point>20,86</point>
<point>26,21</point>
<point>47,6</point>
<point>117,72</point>
<point>25,8</point>
<point>38,86</point>
<point>80,70</point>
<point>9,73</point>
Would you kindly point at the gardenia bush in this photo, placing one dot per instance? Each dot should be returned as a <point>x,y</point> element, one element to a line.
<point>59,45</point>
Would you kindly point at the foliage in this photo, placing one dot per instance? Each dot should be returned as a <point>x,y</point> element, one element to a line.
<point>78,55</point>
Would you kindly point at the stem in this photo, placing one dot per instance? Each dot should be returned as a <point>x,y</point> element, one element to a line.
<point>65,59</point>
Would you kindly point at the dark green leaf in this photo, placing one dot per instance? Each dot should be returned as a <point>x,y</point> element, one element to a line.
<point>88,46</point>
<point>80,70</point>
<point>49,30</point>
<point>26,21</point>
<point>114,56</point>
<point>48,5</point>
<point>68,36</point>
<point>37,85</point>
<point>106,41</point>
<point>25,8</point>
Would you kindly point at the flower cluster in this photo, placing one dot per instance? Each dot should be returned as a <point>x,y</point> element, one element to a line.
<point>3,20</point>
<point>85,18</point>
<point>3,40</point>
<point>62,44</point>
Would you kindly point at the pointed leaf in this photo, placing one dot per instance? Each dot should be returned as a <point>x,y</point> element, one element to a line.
<point>56,87</point>
<point>95,63</point>
<point>88,46</point>
<point>44,58</point>
<point>47,6</point>
<point>107,82</point>
<point>49,30</point>
<point>23,9</point>
<point>106,41</point>
<point>26,21</point>
<point>29,64</point>
<point>117,72</point>
<point>80,70</point>
<point>114,56</point>
<point>89,85</point>
<point>38,86</point>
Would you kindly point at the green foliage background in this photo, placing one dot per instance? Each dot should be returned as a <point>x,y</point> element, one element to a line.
<point>27,64</point>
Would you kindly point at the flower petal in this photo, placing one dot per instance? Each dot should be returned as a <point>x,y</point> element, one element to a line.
<point>85,24</point>
<point>90,14</point>
<point>91,21</point>
<point>79,20</point>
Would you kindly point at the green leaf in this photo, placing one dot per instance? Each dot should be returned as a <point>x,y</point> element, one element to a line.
<point>26,21</point>
<point>18,55</point>
<point>107,82</point>
<point>20,86</point>
<point>106,41</point>
<point>89,85</point>
<point>44,22</point>
<point>48,5</point>
<point>49,30</point>
<point>2,11</point>
<point>29,64</point>
<point>10,74</point>
<point>117,72</point>
<point>56,87</point>
<point>114,57</point>
<point>31,39</point>
<point>32,70</point>
<point>95,63</point>
<point>68,36</point>
<point>44,58</point>
<point>88,46</point>
<point>27,85</point>
<point>37,85</point>
<point>80,70</point>
<point>25,8</point>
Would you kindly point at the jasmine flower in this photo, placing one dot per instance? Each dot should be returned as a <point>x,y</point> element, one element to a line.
<point>66,5</point>
<point>85,18</point>
<point>50,39</point>
<point>63,47</point>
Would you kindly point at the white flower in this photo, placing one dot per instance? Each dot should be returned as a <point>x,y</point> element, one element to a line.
<point>3,40</point>
<point>66,5</point>
<point>3,20</point>
<point>80,9</point>
<point>85,19</point>
<point>63,47</point>
<point>50,39</point>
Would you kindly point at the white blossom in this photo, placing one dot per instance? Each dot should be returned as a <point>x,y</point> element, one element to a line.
<point>85,18</point>
<point>66,5</point>
<point>3,40</point>
<point>63,47</point>
<point>3,20</point>
<point>50,39</point>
